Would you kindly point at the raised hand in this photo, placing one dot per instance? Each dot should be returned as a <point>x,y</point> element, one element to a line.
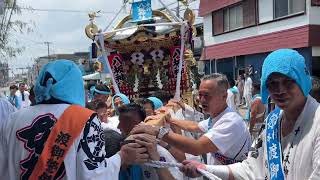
<point>150,142</point>
<point>189,168</point>
<point>177,104</point>
<point>147,129</point>
<point>133,153</point>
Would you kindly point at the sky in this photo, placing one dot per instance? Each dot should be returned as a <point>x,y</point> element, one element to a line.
<point>64,30</point>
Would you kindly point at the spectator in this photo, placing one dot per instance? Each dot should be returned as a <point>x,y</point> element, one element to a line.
<point>13,98</point>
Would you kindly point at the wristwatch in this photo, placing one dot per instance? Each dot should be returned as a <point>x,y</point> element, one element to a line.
<point>163,131</point>
<point>168,147</point>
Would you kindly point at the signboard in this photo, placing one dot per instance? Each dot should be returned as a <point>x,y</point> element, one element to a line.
<point>141,11</point>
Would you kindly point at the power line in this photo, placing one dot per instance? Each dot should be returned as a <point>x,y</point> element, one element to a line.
<point>114,18</point>
<point>58,10</point>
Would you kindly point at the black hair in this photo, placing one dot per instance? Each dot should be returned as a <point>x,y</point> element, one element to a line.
<point>90,84</point>
<point>89,105</point>
<point>32,91</point>
<point>256,85</point>
<point>139,101</point>
<point>13,87</point>
<point>134,108</point>
<point>102,87</point>
<point>148,101</point>
<point>163,96</point>
<point>32,96</point>
<point>113,138</point>
<point>232,83</point>
<point>143,101</point>
<point>100,104</point>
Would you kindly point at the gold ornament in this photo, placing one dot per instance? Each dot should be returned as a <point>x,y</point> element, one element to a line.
<point>91,30</point>
<point>189,16</point>
<point>184,2</point>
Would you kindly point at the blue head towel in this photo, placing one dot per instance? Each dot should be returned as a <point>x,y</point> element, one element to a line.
<point>68,87</point>
<point>156,102</point>
<point>123,97</point>
<point>95,90</point>
<point>234,90</point>
<point>134,172</point>
<point>289,63</point>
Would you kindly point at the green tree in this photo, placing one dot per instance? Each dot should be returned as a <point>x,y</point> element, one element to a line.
<point>9,47</point>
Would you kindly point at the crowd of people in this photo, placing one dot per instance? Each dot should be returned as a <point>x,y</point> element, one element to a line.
<point>67,129</point>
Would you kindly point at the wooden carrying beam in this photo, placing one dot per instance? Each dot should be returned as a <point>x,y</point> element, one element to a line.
<point>159,118</point>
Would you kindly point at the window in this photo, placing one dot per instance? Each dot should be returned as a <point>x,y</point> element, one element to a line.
<point>233,18</point>
<point>213,66</point>
<point>265,10</point>
<point>286,7</point>
<point>315,2</point>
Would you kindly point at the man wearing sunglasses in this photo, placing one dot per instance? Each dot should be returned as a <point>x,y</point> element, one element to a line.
<point>289,147</point>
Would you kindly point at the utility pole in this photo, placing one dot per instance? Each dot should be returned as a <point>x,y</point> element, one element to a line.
<point>48,45</point>
<point>178,9</point>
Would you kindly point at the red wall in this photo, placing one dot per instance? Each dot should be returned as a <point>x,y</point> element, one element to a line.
<point>303,36</point>
<point>208,6</point>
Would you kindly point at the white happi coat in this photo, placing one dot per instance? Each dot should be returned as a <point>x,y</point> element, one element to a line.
<point>304,157</point>
<point>6,108</point>
<point>150,173</point>
<point>112,124</point>
<point>27,130</point>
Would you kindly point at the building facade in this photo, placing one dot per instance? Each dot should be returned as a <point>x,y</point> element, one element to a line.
<point>78,57</point>
<point>239,33</point>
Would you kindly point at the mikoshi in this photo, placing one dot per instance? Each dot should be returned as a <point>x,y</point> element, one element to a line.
<point>149,55</point>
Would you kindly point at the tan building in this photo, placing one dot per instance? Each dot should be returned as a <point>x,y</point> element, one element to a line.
<point>77,57</point>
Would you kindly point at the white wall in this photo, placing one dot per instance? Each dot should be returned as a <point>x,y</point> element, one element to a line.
<point>312,16</point>
<point>207,28</point>
<point>316,51</point>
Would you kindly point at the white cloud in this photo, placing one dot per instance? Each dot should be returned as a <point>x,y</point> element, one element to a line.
<point>64,30</point>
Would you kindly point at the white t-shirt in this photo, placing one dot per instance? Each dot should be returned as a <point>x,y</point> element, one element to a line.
<point>247,90</point>
<point>231,100</point>
<point>26,101</point>
<point>112,124</point>
<point>165,156</point>
<point>23,135</point>
<point>6,108</point>
<point>190,114</point>
<point>229,133</point>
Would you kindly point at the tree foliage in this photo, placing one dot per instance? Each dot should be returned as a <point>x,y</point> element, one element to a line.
<point>10,48</point>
